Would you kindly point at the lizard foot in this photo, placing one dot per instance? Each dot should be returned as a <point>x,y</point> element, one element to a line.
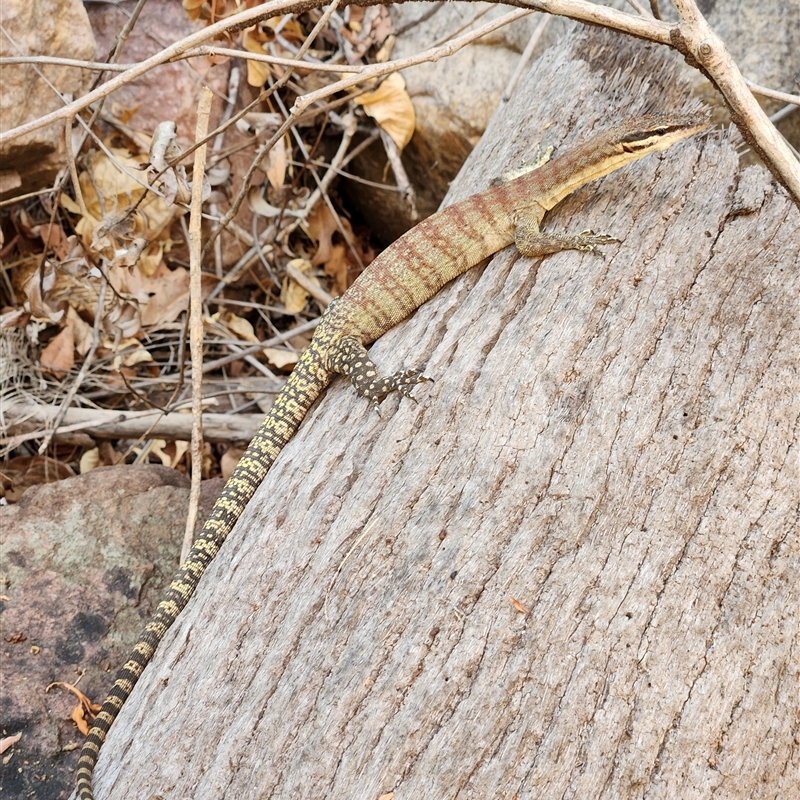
<point>350,358</point>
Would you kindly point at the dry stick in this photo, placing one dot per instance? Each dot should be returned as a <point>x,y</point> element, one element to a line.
<point>525,58</point>
<point>703,49</point>
<point>792,99</point>
<point>73,169</point>
<point>97,66</point>
<point>196,315</point>
<point>304,282</point>
<point>401,178</point>
<point>101,423</point>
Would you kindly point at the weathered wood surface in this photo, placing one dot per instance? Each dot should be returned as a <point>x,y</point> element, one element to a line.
<point>611,442</point>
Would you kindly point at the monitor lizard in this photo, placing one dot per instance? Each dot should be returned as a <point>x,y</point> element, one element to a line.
<point>403,277</point>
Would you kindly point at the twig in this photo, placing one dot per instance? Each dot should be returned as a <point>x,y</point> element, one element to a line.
<point>401,178</point>
<point>196,316</point>
<point>525,58</point>
<point>307,66</point>
<point>702,48</point>
<point>793,99</point>
<point>314,289</point>
<point>55,61</point>
<point>73,169</point>
<point>102,423</point>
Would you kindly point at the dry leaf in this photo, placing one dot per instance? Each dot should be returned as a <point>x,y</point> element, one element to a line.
<point>78,716</point>
<point>254,40</point>
<point>54,238</point>
<point>82,714</point>
<point>521,608</point>
<point>170,453</point>
<point>58,357</point>
<point>338,266</point>
<point>280,358</point>
<point>390,106</point>
<point>89,460</point>
<point>321,226</point>
<point>232,326</point>
<point>110,186</point>
<point>259,205</point>
<point>276,165</point>
<point>336,257</point>
<point>9,741</point>
<point>81,332</point>
<point>157,299</point>
<point>293,296</point>
<point>129,353</point>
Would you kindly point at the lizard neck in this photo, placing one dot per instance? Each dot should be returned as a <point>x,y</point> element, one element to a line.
<point>610,150</point>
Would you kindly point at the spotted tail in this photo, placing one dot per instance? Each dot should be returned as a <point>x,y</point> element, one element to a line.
<point>305,384</point>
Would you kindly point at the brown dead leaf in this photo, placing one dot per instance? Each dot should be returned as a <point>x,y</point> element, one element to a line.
<point>338,267</point>
<point>390,106</point>
<point>321,226</point>
<point>521,608</point>
<point>84,713</point>
<point>254,40</point>
<point>58,357</point>
<point>158,299</point>
<point>335,256</point>
<point>54,239</point>
<point>110,185</point>
<point>81,332</point>
<point>169,453</point>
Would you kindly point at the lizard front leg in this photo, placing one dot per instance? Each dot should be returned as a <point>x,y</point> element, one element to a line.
<point>533,242</point>
<point>349,357</point>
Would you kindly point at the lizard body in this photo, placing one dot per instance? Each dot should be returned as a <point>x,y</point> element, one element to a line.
<point>397,282</point>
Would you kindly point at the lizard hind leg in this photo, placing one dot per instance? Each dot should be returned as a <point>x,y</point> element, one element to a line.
<point>349,357</point>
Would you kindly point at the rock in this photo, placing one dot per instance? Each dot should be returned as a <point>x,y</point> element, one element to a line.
<point>48,28</point>
<point>84,562</point>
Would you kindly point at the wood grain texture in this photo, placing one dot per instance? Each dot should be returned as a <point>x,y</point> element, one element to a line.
<point>611,442</point>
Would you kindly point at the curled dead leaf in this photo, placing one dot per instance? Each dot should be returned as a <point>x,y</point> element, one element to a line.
<point>84,713</point>
<point>390,106</point>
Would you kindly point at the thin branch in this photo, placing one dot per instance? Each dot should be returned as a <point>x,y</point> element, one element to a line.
<point>55,61</point>
<point>196,316</point>
<point>702,48</point>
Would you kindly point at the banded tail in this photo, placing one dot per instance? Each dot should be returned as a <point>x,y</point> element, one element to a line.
<point>304,385</point>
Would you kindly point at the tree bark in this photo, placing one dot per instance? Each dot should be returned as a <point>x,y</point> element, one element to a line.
<point>569,570</point>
